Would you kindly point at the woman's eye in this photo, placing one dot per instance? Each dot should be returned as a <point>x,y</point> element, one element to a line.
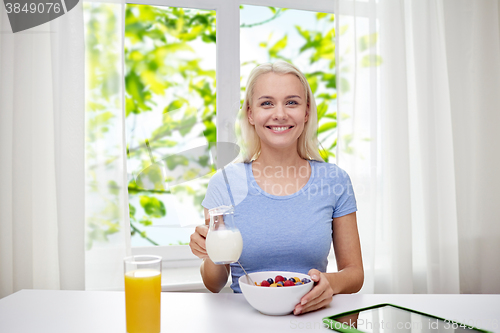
<point>266,103</point>
<point>292,103</point>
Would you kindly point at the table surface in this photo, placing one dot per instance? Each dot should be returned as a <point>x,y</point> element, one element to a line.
<point>104,311</point>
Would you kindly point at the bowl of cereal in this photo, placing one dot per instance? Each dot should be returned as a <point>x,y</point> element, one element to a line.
<point>275,293</point>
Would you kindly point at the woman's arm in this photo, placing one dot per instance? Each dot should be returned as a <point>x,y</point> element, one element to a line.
<point>214,276</point>
<point>350,275</point>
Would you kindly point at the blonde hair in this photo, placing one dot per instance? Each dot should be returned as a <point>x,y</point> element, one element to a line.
<point>307,146</point>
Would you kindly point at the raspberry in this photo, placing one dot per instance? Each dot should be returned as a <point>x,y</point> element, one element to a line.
<point>289,283</point>
<point>265,284</point>
<point>279,278</point>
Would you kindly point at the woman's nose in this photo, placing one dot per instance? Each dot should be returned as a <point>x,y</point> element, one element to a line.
<point>280,112</point>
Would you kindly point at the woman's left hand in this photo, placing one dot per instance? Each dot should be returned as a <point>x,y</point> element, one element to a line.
<point>319,296</point>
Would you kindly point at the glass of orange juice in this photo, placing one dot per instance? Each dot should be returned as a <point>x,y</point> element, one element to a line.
<point>142,293</point>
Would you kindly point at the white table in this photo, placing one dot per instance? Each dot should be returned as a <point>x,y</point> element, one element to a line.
<point>38,311</point>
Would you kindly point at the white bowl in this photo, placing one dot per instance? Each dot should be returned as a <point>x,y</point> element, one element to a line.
<point>274,301</point>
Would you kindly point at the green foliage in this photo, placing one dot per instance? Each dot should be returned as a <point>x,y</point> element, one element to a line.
<point>279,46</point>
<point>152,206</point>
<point>153,37</point>
<point>159,68</point>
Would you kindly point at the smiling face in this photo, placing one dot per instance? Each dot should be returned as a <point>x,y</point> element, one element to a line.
<point>278,110</point>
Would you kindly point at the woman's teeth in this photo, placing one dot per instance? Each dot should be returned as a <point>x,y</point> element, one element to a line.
<point>279,129</point>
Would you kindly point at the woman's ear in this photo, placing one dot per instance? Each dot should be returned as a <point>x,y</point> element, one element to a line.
<point>307,114</point>
<point>250,116</point>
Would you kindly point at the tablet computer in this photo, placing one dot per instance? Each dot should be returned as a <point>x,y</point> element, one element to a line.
<point>389,318</point>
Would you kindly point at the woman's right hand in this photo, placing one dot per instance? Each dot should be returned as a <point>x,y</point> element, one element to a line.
<point>197,241</point>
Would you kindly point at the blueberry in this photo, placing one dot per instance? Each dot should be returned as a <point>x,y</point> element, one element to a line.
<point>298,283</point>
<point>306,280</point>
<point>270,280</point>
<point>285,278</point>
<point>292,279</point>
<point>280,283</point>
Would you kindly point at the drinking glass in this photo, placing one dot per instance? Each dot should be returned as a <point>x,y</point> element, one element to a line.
<point>224,243</point>
<point>142,293</point>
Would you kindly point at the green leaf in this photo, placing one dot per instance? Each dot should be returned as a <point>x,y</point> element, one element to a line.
<point>324,155</point>
<point>175,105</point>
<point>153,81</point>
<point>114,189</point>
<point>137,91</point>
<point>131,210</point>
<point>165,143</point>
<point>103,118</point>
<point>327,96</point>
<point>203,160</point>
<point>371,60</point>
<point>278,47</point>
<point>344,85</point>
<point>319,16</point>
<point>334,144</point>
<point>130,107</point>
<point>210,131</point>
<point>327,126</point>
<point>186,125</point>
<point>146,222</point>
<point>192,34</point>
<point>175,160</point>
<point>95,106</point>
<point>322,108</point>
<point>313,83</point>
<point>203,19</point>
<point>368,41</point>
<point>152,206</point>
<point>331,115</point>
<point>331,80</point>
<point>304,33</point>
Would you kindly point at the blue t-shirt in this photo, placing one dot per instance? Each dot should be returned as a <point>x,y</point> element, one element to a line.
<point>286,233</point>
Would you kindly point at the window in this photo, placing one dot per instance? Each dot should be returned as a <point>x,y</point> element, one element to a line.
<point>170,119</point>
<point>195,91</point>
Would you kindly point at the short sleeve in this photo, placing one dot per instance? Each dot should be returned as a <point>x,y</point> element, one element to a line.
<point>215,196</point>
<point>219,190</point>
<point>346,201</point>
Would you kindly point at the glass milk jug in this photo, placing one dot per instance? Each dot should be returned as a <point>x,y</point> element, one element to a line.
<point>224,242</point>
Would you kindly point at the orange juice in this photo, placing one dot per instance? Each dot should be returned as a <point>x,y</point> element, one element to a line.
<point>142,301</point>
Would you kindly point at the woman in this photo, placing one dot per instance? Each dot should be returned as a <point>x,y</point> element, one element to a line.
<point>290,204</point>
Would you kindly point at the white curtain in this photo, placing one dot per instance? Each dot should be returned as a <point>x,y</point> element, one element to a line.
<point>419,85</point>
<point>107,239</point>
<point>42,155</point>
